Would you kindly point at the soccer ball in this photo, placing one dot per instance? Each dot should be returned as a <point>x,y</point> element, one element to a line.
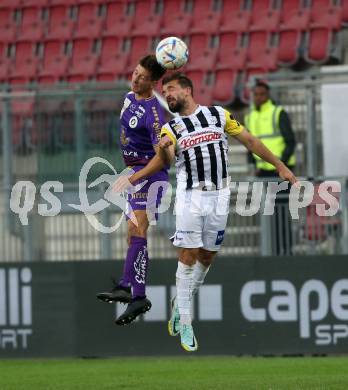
<point>172,53</point>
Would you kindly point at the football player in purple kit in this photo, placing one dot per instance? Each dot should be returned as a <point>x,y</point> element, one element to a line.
<point>142,118</point>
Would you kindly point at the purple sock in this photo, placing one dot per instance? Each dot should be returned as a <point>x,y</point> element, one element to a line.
<point>135,268</point>
<point>125,281</point>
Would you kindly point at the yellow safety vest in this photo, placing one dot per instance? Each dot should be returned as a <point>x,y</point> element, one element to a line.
<point>264,124</point>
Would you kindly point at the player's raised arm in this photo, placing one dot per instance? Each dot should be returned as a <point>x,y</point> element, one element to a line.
<point>254,145</point>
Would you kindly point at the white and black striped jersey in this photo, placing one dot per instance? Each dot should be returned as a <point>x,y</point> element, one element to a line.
<point>201,147</point>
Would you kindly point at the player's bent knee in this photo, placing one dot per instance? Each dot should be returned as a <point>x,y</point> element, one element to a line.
<point>206,257</point>
<point>188,256</point>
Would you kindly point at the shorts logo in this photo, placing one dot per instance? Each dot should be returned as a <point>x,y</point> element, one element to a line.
<point>133,122</point>
<point>220,237</point>
<point>188,142</point>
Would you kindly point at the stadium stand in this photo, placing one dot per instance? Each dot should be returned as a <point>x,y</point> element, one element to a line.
<point>205,18</point>
<point>148,19</point>
<point>228,40</point>
<point>139,47</point>
<point>318,45</point>
<point>345,12</point>
<point>119,20</point>
<point>235,16</point>
<point>55,62</point>
<point>294,16</point>
<point>83,61</point>
<point>232,52</point>
<point>7,24</point>
<point>225,80</point>
<point>112,60</point>
<point>61,24</point>
<point>264,17</point>
<point>25,65</point>
<point>32,26</point>
<point>262,53</point>
<point>89,22</point>
<point>176,18</point>
<point>325,14</point>
<point>203,51</point>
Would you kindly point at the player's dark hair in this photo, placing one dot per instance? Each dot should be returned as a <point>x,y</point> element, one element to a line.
<point>182,79</point>
<point>150,63</point>
<point>263,84</point>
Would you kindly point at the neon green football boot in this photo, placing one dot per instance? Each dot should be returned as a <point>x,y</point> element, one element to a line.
<point>174,322</point>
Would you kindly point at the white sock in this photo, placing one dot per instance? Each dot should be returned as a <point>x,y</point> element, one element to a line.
<point>199,273</point>
<point>184,275</point>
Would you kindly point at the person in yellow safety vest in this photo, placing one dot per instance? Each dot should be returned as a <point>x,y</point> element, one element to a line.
<point>271,124</point>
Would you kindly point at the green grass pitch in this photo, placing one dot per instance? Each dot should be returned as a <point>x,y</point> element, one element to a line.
<point>187,373</point>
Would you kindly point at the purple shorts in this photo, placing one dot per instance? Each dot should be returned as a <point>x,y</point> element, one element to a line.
<point>150,195</point>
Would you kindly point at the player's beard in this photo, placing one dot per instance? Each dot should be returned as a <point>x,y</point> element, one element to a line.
<point>177,105</point>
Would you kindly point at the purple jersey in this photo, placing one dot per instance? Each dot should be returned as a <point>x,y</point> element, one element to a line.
<point>141,123</point>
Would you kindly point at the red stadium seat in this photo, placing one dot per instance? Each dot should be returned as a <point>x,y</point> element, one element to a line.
<point>63,2</point>
<point>60,25</point>
<point>32,26</point>
<point>148,21</point>
<point>55,62</point>
<point>89,24</point>
<point>264,17</point>
<point>113,60</point>
<point>10,4</point>
<point>324,14</point>
<point>95,2</point>
<point>197,77</point>
<point>140,46</point>
<point>197,44</point>
<point>7,25</point>
<point>205,18</point>
<point>234,17</point>
<point>119,20</point>
<point>203,95</point>
<point>345,12</point>
<point>6,65</point>
<point>83,61</point>
<point>231,55</point>
<point>206,61</point>
<point>202,54</point>
<point>294,16</point>
<point>319,45</point>
<point>201,90</point>
<point>36,3</point>
<point>261,55</point>
<point>25,64</point>
<point>289,47</point>
<point>224,88</point>
<point>176,19</point>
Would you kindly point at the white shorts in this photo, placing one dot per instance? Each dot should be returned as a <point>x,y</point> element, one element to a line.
<point>201,218</point>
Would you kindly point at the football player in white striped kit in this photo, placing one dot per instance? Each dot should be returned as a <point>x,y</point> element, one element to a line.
<point>198,140</point>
